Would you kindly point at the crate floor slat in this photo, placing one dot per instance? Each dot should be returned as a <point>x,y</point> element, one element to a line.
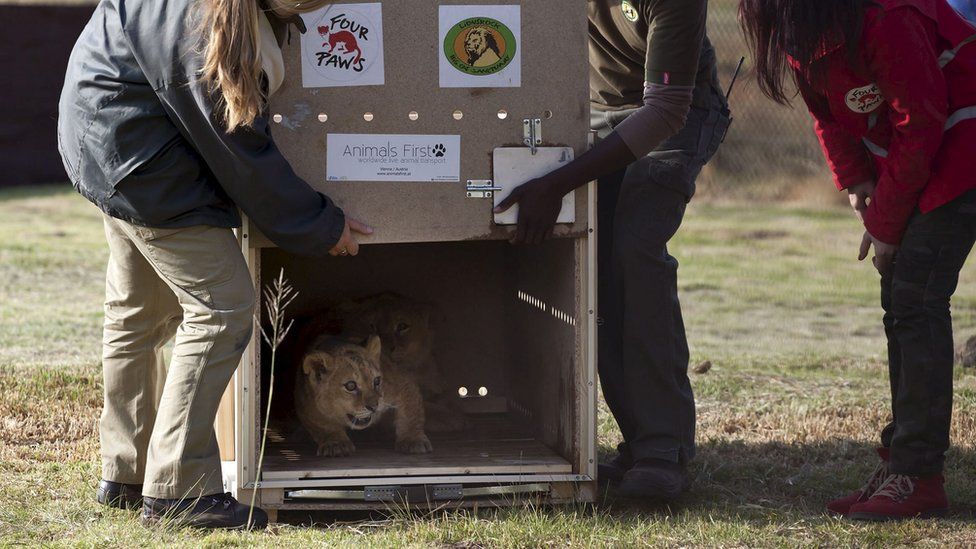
<point>493,444</point>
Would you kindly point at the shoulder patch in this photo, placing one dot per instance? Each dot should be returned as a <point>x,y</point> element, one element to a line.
<point>630,12</point>
<point>864,99</point>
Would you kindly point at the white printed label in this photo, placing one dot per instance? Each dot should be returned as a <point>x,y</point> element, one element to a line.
<point>359,157</point>
<point>343,46</point>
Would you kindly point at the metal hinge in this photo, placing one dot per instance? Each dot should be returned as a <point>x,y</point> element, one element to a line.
<point>481,188</point>
<point>532,133</point>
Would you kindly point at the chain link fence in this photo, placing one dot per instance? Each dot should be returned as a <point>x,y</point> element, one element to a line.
<point>770,151</point>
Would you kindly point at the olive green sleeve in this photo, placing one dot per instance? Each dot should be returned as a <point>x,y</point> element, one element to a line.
<point>674,41</point>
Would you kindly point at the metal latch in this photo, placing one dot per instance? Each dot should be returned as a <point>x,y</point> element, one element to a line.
<point>532,133</point>
<point>481,188</point>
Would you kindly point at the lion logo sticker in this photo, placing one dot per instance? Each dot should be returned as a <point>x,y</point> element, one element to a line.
<point>480,46</point>
<point>865,99</point>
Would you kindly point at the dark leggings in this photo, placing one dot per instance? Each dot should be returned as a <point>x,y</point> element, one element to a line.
<point>915,297</point>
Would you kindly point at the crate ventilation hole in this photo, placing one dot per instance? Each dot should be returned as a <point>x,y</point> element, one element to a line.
<point>502,114</point>
<point>463,392</point>
<point>546,308</point>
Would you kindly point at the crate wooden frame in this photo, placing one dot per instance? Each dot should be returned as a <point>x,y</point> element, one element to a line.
<point>553,89</point>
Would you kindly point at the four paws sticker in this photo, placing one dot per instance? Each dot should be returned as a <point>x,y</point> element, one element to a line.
<point>865,99</point>
<point>343,46</point>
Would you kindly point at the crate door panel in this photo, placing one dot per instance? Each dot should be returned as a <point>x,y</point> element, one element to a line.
<point>553,87</point>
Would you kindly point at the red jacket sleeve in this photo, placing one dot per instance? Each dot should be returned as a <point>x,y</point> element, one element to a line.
<point>848,159</point>
<point>900,52</point>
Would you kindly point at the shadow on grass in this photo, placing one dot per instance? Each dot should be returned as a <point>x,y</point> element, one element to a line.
<point>761,484</point>
<point>778,481</point>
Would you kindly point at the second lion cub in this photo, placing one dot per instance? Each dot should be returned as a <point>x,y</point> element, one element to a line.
<point>341,386</point>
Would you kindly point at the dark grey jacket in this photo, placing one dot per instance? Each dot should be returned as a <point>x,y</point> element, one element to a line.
<point>139,137</point>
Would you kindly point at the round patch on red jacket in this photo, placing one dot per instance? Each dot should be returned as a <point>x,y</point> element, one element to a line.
<point>865,99</point>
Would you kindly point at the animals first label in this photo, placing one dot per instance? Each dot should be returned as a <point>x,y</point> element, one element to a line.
<point>374,157</point>
<point>343,46</point>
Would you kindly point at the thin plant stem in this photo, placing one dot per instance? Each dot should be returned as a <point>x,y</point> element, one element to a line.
<point>277,298</point>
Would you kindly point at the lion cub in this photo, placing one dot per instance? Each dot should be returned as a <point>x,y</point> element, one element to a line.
<point>404,327</point>
<point>340,386</point>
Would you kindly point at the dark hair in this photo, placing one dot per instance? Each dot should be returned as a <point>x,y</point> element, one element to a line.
<point>801,29</point>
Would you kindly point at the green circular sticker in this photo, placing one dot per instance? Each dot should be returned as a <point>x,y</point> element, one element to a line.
<point>480,46</point>
<point>630,12</point>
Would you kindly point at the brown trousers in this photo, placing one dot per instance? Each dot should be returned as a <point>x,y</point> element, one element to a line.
<point>157,427</point>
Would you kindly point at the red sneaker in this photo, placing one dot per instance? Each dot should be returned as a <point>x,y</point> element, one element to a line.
<point>843,505</point>
<point>904,497</point>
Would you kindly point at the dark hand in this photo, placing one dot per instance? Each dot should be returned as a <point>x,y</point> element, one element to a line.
<point>539,204</point>
<point>884,254</point>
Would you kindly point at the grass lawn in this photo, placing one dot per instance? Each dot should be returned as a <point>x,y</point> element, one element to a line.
<point>788,414</point>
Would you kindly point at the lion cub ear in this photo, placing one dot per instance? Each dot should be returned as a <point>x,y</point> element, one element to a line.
<point>317,365</point>
<point>373,348</point>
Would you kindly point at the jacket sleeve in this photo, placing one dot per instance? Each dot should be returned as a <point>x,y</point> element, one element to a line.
<point>674,41</point>
<point>848,159</point>
<point>164,41</point>
<point>899,51</point>
<point>253,172</point>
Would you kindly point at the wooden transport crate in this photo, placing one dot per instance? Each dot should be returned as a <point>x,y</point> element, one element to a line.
<point>516,321</point>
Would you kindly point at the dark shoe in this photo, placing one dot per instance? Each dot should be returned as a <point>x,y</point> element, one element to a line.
<point>118,495</point>
<point>655,479</point>
<point>216,511</point>
<point>902,497</point>
<point>842,506</point>
<point>612,471</point>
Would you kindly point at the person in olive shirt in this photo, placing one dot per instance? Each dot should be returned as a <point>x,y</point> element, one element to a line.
<point>660,116</point>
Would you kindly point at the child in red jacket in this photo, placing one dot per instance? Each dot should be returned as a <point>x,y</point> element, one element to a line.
<point>891,85</point>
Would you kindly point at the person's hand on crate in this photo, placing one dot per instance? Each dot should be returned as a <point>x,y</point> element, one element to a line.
<point>539,203</point>
<point>541,199</point>
<point>348,245</point>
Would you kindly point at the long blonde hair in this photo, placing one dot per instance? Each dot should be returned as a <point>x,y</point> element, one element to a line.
<point>231,56</point>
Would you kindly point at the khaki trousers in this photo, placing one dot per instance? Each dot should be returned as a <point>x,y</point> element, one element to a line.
<point>191,283</point>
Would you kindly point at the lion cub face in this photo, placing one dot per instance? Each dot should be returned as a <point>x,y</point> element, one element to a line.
<point>403,326</point>
<point>345,382</point>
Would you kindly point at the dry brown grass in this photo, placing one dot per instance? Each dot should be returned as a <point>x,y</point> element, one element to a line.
<point>788,412</point>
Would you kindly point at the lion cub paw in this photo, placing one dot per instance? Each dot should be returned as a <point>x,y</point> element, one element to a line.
<point>336,448</point>
<point>414,445</point>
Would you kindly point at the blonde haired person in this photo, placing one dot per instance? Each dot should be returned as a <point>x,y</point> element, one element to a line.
<point>163,125</point>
